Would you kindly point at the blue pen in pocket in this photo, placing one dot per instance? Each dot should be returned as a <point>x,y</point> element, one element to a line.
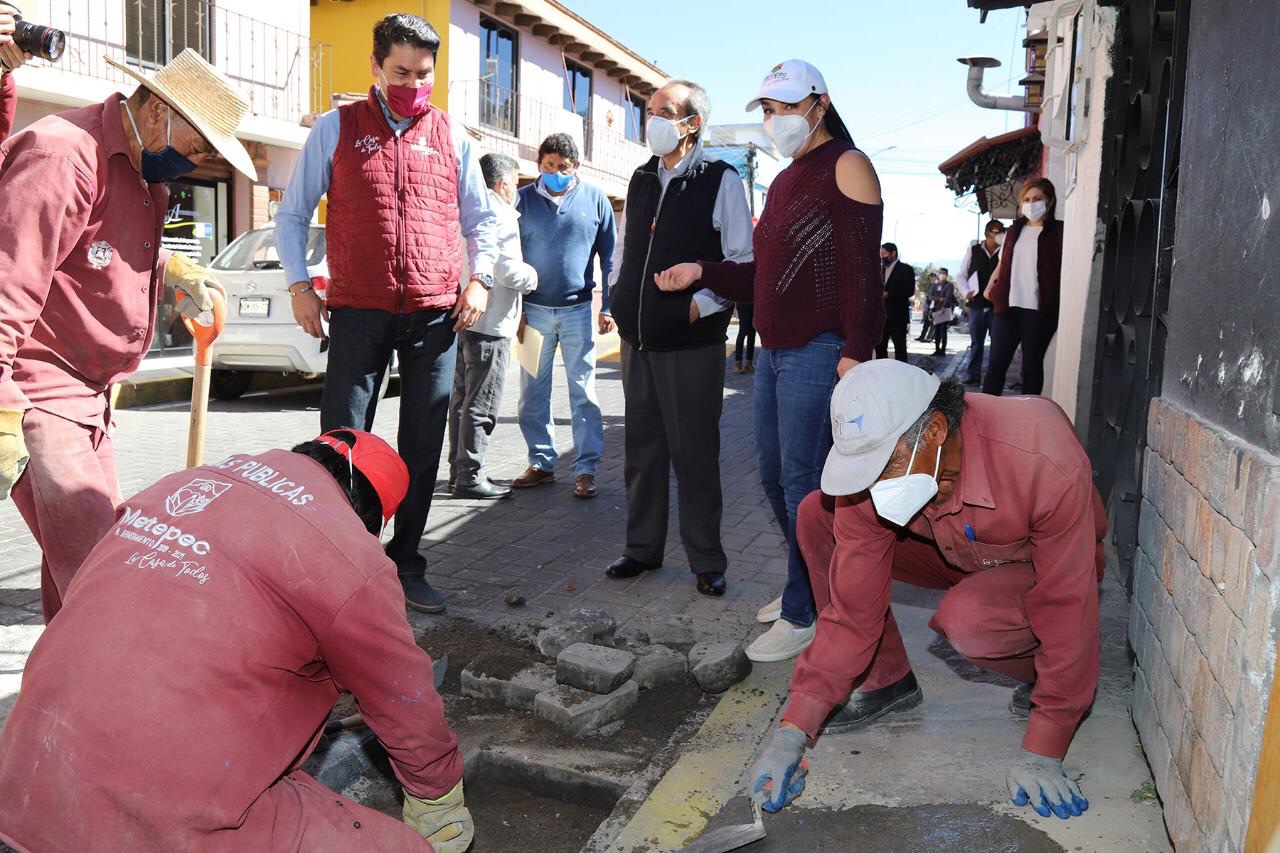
<point>969,534</point>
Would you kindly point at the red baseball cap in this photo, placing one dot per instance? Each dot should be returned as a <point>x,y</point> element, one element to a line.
<point>378,462</point>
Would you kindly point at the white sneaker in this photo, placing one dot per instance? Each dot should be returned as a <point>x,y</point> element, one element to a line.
<point>771,612</point>
<point>781,642</point>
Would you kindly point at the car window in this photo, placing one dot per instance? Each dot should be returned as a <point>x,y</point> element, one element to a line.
<point>257,250</point>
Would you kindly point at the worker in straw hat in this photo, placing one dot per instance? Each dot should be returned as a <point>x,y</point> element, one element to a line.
<point>82,204</point>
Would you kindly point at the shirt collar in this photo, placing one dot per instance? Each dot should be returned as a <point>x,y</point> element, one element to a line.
<point>398,126</point>
<point>499,203</point>
<point>556,199</point>
<point>113,133</point>
<point>974,485</point>
<point>686,163</point>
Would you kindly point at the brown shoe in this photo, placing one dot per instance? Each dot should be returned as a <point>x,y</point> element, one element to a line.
<point>584,486</point>
<point>737,367</point>
<point>533,476</point>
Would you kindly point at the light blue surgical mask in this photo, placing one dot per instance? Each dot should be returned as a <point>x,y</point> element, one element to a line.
<point>556,182</point>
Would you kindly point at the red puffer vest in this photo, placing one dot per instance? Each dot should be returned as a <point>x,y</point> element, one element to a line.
<point>392,227</point>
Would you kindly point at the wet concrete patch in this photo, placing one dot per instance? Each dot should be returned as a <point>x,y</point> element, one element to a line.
<point>940,828</point>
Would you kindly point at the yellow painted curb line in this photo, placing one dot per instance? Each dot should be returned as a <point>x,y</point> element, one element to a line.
<point>708,773</point>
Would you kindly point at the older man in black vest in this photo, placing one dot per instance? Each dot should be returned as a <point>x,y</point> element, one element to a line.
<point>682,205</point>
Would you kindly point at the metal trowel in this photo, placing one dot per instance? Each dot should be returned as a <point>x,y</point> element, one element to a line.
<point>725,838</point>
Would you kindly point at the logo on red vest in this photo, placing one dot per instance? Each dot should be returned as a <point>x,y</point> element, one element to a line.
<point>422,147</point>
<point>368,144</point>
<point>194,497</point>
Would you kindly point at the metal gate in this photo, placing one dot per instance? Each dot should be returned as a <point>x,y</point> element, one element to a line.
<point>1142,130</point>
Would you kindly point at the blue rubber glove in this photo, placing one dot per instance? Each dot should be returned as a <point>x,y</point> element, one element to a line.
<point>779,771</point>
<point>1042,783</point>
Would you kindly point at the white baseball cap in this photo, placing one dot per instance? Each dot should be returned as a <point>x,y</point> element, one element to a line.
<point>790,82</point>
<point>872,406</point>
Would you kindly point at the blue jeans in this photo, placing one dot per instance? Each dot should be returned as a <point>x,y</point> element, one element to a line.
<point>360,345</point>
<point>573,330</point>
<point>979,325</point>
<point>793,434</point>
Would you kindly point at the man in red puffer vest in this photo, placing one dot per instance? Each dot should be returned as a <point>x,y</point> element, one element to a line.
<point>402,183</point>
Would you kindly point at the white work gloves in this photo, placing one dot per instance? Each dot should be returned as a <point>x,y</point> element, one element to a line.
<point>13,450</point>
<point>445,822</point>
<point>194,281</point>
<point>1042,783</point>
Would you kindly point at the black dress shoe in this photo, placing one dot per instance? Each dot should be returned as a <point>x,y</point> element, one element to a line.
<point>627,567</point>
<point>711,583</point>
<point>862,709</point>
<point>1020,705</point>
<point>485,490</point>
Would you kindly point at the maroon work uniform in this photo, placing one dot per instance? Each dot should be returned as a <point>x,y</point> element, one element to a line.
<point>192,668</point>
<point>1019,547</point>
<point>79,288</point>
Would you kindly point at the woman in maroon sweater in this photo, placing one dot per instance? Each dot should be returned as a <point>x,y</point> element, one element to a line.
<point>819,308</point>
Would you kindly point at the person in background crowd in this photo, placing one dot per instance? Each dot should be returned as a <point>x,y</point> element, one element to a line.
<point>746,337</point>
<point>12,57</point>
<point>83,198</point>
<point>565,225</point>
<point>926,328</point>
<point>1024,290</point>
<point>681,205</point>
<point>942,303</point>
<point>237,601</point>
<point>899,287</point>
<point>819,309</point>
<point>402,183</point>
<point>483,349</point>
<point>980,261</point>
<point>989,499</point>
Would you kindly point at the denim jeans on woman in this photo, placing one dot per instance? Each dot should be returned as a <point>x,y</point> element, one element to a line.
<point>793,435</point>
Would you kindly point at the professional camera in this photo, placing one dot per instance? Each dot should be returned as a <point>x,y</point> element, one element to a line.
<point>42,42</point>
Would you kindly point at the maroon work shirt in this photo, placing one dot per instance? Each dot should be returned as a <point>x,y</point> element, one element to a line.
<point>1026,488</point>
<point>199,651</point>
<point>79,255</point>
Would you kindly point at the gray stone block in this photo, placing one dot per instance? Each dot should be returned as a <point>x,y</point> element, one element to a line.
<point>577,712</point>
<point>489,677</point>
<point>659,666</point>
<point>577,626</point>
<point>596,669</point>
<point>673,635</point>
<point>718,666</point>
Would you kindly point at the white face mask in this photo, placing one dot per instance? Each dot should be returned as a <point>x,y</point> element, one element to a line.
<point>663,134</point>
<point>789,132</point>
<point>897,500</point>
<point>999,238</point>
<point>1034,210</point>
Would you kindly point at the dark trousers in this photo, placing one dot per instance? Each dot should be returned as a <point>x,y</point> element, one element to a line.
<point>899,337</point>
<point>1025,327</point>
<point>940,335</point>
<point>361,342</point>
<point>746,332</point>
<point>979,325</point>
<point>673,404</point>
<point>473,407</point>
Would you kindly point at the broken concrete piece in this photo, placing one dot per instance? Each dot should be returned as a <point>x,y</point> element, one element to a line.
<point>490,677</point>
<point>673,635</point>
<point>659,666</point>
<point>577,712</point>
<point>718,666</point>
<point>597,669</point>
<point>577,626</point>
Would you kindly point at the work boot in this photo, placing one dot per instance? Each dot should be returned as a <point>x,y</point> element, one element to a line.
<point>1020,705</point>
<point>419,595</point>
<point>864,708</point>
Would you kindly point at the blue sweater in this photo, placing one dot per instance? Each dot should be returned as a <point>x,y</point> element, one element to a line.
<point>561,243</point>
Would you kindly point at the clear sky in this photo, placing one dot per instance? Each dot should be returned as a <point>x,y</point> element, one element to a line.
<point>891,68</point>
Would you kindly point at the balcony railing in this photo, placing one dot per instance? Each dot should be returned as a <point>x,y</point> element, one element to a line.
<point>284,74</point>
<point>510,123</point>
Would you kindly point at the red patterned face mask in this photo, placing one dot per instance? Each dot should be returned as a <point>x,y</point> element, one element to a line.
<point>407,101</point>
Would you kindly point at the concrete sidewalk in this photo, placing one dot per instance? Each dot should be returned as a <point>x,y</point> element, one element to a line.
<point>551,548</point>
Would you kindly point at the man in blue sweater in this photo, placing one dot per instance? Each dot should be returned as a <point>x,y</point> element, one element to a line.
<point>565,225</point>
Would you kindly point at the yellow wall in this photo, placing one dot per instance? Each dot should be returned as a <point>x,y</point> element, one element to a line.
<point>348,26</point>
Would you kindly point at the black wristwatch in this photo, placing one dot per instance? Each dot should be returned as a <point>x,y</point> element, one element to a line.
<point>486,281</point>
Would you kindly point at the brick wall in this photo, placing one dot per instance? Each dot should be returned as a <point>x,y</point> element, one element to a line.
<point>1203,622</point>
<point>260,209</point>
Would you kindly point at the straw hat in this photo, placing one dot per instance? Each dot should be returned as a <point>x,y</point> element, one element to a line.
<point>206,99</point>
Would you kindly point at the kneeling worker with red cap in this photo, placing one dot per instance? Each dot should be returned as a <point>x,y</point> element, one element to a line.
<point>199,650</point>
<point>990,498</point>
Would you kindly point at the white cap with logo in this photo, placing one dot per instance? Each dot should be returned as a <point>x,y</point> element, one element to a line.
<point>790,82</point>
<point>872,406</point>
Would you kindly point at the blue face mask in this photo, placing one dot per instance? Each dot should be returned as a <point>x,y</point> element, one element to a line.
<point>163,165</point>
<point>556,182</point>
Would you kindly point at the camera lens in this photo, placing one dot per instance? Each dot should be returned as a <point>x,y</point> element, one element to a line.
<point>43,42</point>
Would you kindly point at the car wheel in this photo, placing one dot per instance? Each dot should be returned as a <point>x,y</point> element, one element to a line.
<point>230,384</point>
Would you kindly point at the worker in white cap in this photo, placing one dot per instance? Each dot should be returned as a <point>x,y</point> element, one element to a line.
<point>82,207</point>
<point>990,498</point>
